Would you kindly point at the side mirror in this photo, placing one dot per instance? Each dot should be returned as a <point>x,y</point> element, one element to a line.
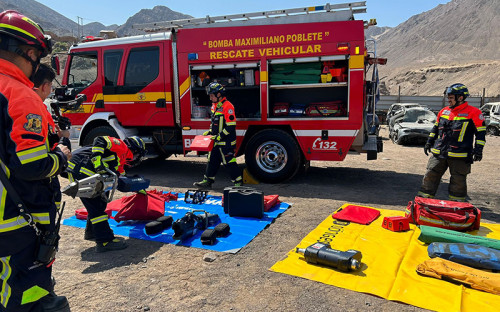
<point>54,63</point>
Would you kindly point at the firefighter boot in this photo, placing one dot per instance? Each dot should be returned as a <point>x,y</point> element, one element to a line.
<point>205,184</point>
<point>54,303</point>
<point>89,232</point>
<point>115,244</point>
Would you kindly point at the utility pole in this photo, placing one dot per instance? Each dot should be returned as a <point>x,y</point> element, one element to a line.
<point>80,19</point>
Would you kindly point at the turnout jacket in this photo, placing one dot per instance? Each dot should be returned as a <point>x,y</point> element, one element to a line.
<point>113,154</point>
<point>223,124</point>
<point>454,131</point>
<point>29,159</point>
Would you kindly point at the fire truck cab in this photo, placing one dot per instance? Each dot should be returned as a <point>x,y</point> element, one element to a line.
<point>297,79</point>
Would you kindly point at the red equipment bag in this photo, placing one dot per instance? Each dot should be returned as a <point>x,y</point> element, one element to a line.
<point>281,109</point>
<point>446,214</point>
<point>202,143</point>
<point>326,109</point>
<point>270,201</point>
<point>143,207</point>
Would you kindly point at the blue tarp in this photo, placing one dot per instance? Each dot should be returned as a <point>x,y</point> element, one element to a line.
<point>243,230</point>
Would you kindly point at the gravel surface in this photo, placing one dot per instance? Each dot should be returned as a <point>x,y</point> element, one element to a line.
<point>151,276</point>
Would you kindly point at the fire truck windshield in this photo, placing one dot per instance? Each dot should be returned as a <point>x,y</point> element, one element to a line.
<point>83,70</point>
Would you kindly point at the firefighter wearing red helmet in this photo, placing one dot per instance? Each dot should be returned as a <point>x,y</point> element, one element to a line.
<point>223,131</point>
<point>455,142</point>
<point>31,159</point>
<point>105,153</point>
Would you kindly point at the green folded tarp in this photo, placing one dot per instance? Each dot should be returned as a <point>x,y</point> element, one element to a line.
<point>429,234</point>
<point>296,66</point>
<point>296,77</point>
<point>316,72</point>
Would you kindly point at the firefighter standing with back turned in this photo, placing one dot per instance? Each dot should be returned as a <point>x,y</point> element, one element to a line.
<point>451,143</point>
<point>31,160</point>
<point>114,154</point>
<point>223,131</point>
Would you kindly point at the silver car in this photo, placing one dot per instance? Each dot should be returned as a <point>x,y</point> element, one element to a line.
<point>411,125</point>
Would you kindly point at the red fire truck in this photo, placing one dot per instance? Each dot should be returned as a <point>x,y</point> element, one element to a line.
<point>297,78</point>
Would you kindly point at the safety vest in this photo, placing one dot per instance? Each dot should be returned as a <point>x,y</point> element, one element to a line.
<point>454,131</point>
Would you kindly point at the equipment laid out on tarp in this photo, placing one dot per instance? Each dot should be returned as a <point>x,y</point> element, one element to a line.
<point>320,253</point>
<point>242,230</point>
<point>195,196</point>
<point>356,214</point>
<point>191,223</point>
<point>431,234</point>
<point>446,214</point>
<point>159,225</point>
<point>244,202</point>
<point>472,255</point>
<point>389,267</point>
<point>448,270</point>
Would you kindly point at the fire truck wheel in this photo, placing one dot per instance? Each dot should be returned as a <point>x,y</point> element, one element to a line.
<point>273,156</point>
<point>99,131</point>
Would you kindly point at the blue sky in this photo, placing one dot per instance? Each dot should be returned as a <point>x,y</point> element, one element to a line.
<point>387,12</point>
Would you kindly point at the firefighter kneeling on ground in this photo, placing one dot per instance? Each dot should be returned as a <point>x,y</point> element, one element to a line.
<point>113,154</point>
<point>223,131</point>
<point>451,143</point>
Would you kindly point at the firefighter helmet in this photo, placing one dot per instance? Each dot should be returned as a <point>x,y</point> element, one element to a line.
<point>136,145</point>
<point>25,31</point>
<point>457,89</point>
<point>215,87</point>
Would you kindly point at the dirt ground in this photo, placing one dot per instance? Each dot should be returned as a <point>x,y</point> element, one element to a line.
<point>151,276</point>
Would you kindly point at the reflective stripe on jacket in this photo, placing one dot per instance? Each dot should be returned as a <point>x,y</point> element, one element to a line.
<point>454,131</point>
<point>31,165</point>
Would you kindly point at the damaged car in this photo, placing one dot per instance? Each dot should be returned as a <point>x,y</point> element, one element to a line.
<point>411,125</point>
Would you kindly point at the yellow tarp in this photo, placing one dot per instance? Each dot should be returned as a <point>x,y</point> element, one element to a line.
<point>388,265</point>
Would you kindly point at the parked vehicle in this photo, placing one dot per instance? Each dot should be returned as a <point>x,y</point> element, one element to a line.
<point>411,125</point>
<point>298,82</point>
<point>493,121</point>
<point>398,106</point>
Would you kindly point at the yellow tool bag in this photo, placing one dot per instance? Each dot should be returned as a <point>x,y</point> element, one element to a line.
<point>451,271</point>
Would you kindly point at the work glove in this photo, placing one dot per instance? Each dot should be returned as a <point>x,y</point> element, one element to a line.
<point>427,148</point>
<point>477,155</point>
<point>216,138</point>
<point>98,164</point>
<point>206,132</point>
<point>64,123</point>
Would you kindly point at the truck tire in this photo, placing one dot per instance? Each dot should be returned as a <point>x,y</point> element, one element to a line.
<point>273,156</point>
<point>99,131</point>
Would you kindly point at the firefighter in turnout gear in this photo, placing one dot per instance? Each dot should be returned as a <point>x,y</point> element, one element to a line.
<point>223,131</point>
<point>113,154</point>
<point>30,159</point>
<point>453,145</point>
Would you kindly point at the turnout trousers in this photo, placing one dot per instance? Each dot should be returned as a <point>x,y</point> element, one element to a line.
<point>21,288</point>
<point>436,167</point>
<point>227,157</point>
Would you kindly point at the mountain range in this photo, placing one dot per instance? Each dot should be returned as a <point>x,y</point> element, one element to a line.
<point>454,42</point>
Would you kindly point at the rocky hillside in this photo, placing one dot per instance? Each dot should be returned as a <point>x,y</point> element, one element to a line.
<point>454,42</point>
<point>156,14</point>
